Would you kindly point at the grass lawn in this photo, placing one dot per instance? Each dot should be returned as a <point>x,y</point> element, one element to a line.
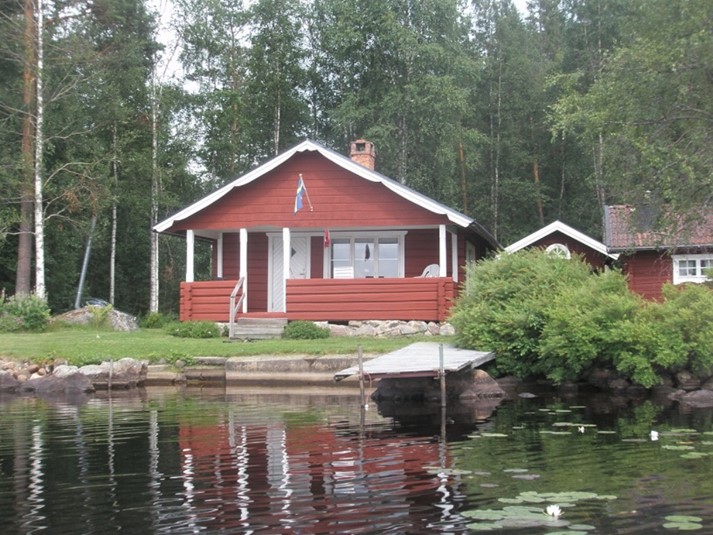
<point>91,346</point>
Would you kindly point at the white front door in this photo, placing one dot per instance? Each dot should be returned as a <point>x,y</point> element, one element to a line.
<point>299,267</point>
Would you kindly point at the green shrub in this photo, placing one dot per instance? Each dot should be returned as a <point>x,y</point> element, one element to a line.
<point>503,305</point>
<point>99,315</point>
<point>194,329</point>
<point>598,324</point>
<point>304,330</point>
<point>157,320</point>
<point>685,321</point>
<point>23,313</point>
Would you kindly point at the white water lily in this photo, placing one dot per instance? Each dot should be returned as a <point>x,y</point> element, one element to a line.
<point>553,510</point>
<point>654,435</point>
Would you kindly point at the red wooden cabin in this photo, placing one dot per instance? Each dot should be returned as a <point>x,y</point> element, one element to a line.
<point>656,247</point>
<point>362,246</point>
<point>560,239</point>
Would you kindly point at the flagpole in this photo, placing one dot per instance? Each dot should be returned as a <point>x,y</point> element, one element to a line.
<point>309,201</point>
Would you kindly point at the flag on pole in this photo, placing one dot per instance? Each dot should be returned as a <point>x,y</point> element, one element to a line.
<point>300,193</point>
<point>326,238</point>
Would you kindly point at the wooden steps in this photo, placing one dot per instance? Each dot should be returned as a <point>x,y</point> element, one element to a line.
<point>258,328</point>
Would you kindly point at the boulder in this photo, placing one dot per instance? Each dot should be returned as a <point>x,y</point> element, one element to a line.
<point>687,381</point>
<point>59,385</point>
<point>697,398</point>
<point>123,373</point>
<point>118,321</point>
<point>8,382</point>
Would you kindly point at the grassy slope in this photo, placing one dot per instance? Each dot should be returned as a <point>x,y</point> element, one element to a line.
<point>90,346</point>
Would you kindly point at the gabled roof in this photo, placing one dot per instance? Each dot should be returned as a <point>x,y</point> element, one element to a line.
<point>628,228</point>
<point>346,163</point>
<point>558,226</point>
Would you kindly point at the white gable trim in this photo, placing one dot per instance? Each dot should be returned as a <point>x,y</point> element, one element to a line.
<point>342,161</point>
<point>558,226</point>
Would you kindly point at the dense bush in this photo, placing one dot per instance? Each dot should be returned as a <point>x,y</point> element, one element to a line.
<point>23,313</point>
<point>550,317</point>
<point>503,305</point>
<point>304,330</point>
<point>598,324</point>
<point>194,329</point>
<point>685,322</point>
<point>157,320</point>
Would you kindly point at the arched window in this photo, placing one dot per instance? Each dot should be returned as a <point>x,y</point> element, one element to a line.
<point>559,250</point>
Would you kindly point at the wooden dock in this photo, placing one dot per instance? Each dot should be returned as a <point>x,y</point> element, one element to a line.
<point>422,359</point>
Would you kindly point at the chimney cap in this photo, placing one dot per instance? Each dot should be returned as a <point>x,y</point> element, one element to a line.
<point>363,153</point>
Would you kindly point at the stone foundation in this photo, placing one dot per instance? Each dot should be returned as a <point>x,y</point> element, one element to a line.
<point>388,328</point>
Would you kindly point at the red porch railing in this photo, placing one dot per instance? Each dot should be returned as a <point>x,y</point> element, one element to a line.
<point>427,299</point>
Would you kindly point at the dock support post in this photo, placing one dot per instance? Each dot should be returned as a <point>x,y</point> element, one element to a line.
<point>442,374</point>
<point>360,356</point>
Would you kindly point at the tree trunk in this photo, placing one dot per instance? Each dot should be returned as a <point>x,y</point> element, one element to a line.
<point>153,284</point>
<point>40,290</point>
<point>536,174</point>
<point>463,184</point>
<point>112,247</point>
<point>23,274</point>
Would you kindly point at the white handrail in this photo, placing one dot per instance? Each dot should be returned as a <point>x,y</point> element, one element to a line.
<point>234,307</point>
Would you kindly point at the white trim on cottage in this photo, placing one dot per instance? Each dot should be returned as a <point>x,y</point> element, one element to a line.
<point>339,159</point>
<point>558,226</point>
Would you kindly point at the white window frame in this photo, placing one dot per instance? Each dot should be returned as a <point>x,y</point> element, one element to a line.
<point>370,235</point>
<point>559,250</point>
<point>699,275</point>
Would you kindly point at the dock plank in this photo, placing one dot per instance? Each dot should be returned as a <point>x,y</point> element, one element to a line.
<point>421,359</point>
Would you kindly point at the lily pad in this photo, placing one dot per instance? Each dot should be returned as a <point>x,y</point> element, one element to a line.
<point>695,455</point>
<point>683,518</point>
<point>582,527</point>
<point>494,435</point>
<point>683,526</point>
<point>526,477</point>
<point>515,470</point>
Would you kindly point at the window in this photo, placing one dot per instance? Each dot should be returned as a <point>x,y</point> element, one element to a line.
<point>558,250</point>
<point>368,255</point>
<point>691,268</point>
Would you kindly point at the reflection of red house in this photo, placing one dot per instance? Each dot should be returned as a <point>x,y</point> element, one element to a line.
<point>561,239</point>
<point>357,249</point>
<point>309,478</point>
<point>655,248</point>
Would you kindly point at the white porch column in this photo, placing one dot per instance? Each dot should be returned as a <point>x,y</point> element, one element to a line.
<point>286,257</point>
<point>244,265</point>
<point>219,257</point>
<point>190,249</point>
<point>442,254</point>
<point>454,255</point>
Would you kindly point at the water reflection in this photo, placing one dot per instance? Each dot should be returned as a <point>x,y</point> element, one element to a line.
<point>248,461</point>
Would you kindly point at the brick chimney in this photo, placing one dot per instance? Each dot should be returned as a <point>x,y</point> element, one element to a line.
<point>363,152</point>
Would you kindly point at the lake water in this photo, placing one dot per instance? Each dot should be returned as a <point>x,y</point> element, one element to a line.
<point>246,461</point>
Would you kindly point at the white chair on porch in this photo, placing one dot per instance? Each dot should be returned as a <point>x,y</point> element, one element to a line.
<point>432,270</point>
<point>343,272</point>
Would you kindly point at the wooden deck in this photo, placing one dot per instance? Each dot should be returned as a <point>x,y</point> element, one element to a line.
<point>421,359</point>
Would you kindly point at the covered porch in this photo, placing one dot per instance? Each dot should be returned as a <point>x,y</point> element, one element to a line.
<point>368,274</point>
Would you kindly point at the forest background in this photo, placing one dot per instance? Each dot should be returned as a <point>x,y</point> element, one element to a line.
<point>514,118</point>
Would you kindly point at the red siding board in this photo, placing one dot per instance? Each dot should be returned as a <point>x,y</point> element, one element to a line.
<point>338,198</point>
<point>647,272</point>
<point>334,300</point>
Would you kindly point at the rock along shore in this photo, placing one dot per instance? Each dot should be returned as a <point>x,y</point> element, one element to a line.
<point>58,379</point>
